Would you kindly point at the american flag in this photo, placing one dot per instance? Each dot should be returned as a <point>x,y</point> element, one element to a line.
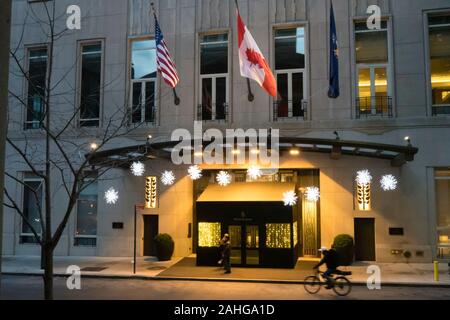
<point>166,67</point>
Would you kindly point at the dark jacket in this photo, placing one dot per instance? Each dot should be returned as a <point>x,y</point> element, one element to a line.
<point>330,258</point>
<point>226,253</point>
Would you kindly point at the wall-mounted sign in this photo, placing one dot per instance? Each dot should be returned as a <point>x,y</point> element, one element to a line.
<point>117,225</point>
<point>150,192</point>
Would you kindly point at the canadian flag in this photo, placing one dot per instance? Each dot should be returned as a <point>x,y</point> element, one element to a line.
<point>252,62</point>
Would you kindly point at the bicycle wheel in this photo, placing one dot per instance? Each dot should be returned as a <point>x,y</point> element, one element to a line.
<point>312,284</point>
<point>342,286</point>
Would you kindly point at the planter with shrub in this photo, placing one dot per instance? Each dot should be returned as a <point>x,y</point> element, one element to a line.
<point>164,246</point>
<point>344,246</point>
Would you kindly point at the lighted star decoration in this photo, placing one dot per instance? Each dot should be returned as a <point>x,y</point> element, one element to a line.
<point>137,169</point>
<point>388,182</point>
<point>312,194</point>
<point>363,177</point>
<point>223,178</point>
<point>195,172</point>
<point>254,173</point>
<point>290,198</point>
<point>167,178</point>
<point>111,196</point>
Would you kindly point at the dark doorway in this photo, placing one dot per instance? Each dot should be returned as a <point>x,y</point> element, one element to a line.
<point>365,239</point>
<point>150,232</point>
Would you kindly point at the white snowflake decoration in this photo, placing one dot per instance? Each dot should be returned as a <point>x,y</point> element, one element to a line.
<point>312,194</point>
<point>363,177</point>
<point>388,182</point>
<point>254,173</point>
<point>223,178</point>
<point>195,172</point>
<point>167,178</point>
<point>290,198</point>
<point>111,196</point>
<point>137,169</point>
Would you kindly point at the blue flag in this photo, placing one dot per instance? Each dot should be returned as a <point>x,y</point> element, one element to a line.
<point>333,91</point>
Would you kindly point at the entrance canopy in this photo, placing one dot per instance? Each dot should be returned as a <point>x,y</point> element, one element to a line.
<point>397,154</point>
<point>246,192</point>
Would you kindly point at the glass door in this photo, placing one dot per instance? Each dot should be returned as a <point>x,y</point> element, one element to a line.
<point>251,245</point>
<point>236,244</point>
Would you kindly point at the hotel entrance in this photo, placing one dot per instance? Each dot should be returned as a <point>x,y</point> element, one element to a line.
<point>263,231</point>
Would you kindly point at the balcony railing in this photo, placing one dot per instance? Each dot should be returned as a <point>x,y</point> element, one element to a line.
<point>206,112</point>
<point>374,106</point>
<point>441,110</point>
<point>284,109</point>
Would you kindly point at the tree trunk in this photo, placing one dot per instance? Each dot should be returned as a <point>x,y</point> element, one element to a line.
<point>48,271</point>
<point>5,23</point>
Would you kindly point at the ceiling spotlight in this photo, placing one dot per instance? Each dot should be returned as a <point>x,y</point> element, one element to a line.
<point>198,154</point>
<point>294,152</point>
<point>236,151</point>
<point>254,151</point>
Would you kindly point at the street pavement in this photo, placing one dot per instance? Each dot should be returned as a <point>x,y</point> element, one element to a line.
<point>185,268</point>
<point>30,287</point>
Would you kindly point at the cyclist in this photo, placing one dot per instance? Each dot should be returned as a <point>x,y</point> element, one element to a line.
<point>330,258</point>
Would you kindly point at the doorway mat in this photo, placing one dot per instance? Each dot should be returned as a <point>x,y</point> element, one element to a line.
<point>186,268</point>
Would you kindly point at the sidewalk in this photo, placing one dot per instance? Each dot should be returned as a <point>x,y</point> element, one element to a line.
<point>413,274</point>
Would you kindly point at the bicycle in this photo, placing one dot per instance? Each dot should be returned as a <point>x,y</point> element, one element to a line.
<point>340,285</point>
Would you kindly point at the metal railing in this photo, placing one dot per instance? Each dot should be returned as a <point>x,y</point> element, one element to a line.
<point>441,110</point>
<point>374,106</point>
<point>288,109</point>
<point>205,112</point>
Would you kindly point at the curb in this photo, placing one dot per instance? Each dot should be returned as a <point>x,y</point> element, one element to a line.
<point>235,280</point>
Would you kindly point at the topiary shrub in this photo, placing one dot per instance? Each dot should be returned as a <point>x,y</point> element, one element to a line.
<point>343,244</point>
<point>164,246</point>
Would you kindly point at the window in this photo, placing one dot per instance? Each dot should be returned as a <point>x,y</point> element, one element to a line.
<point>290,72</point>
<point>32,205</point>
<point>37,70</point>
<point>439,37</point>
<point>143,81</point>
<point>214,77</point>
<point>442,182</point>
<point>208,234</point>
<point>372,65</point>
<point>86,223</point>
<point>278,235</point>
<point>91,81</point>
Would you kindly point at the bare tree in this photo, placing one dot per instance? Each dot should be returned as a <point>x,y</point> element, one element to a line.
<point>63,150</point>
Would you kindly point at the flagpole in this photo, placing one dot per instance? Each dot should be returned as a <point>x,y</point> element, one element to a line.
<point>176,99</point>
<point>250,95</point>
